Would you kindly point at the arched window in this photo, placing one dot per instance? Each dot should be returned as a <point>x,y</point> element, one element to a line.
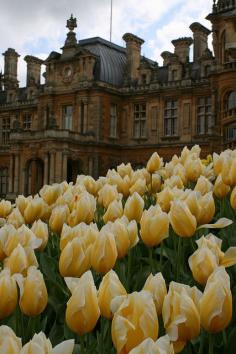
<point>3,181</point>
<point>231,101</point>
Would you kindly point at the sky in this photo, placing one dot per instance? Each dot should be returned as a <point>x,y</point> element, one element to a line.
<point>37,27</point>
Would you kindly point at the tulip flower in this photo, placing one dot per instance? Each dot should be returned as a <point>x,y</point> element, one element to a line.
<point>193,168</point>
<point>89,183</point>
<point>203,185</point>
<point>75,258</point>
<point>228,172</point>
<point>82,311</point>
<point>181,314</point>
<point>125,170</point>
<point>33,292</point>
<point>88,232</point>
<point>164,199</point>
<point>104,252</point>
<point>209,256</point>
<point>207,209</point>
<point>134,207</point>
<point>8,295</point>
<point>114,211</point>
<point>154,226</point>
<point>5,208</point>
<point>107,194</point>
<point>40,229</point>
<point>134,321</point>
<point>9,342</point>
<point>51,193</point>
<point>83,210</point>
<point>156,183</point>
<point>58,218</point>
<point>182,220</point>
<point>141,173</point>
<point>132,230</point>
<point>15,218</point>
<point>33,210</point>
<point>156,285</point>
<point>20,260</point>
<point>123,184</point>
<point>233,198</point>
<point>139,186</point>
<point>154,163</point>
<point>22,202</point>
<point>5,233</point>
<point>161,346</point>
<point>121,235</point>
<point>216,302</point>
<point>109,288</point>
<point>220,189</point>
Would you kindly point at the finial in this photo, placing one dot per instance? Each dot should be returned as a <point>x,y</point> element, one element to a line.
<point>71,23</point>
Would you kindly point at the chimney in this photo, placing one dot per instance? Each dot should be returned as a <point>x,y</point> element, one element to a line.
<point>166,57</point>
<point>182,48</point>
<point>133,53</point>
<point>10,69</point>
<point>33,70</point>
<point>200,39</point>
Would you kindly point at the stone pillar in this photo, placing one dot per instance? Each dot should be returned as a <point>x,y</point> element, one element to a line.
<point>58,167</point>
<point>64,165</point>
<point>45,176</point>
<point>85,116</point>
<point>16,174</point>
<point>11,173</point>
<point>52,168</point>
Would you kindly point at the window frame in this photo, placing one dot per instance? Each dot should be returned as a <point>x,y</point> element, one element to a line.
<point>140,120</point>
<point>67,119</point>
<point>171,112</point>
<point>113,120</point>
<point>4,176</point>
<point>204,118</point>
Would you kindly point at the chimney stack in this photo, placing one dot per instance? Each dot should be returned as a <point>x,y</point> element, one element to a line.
<point>33,70</point>
<point>200,39</point>
<point>182,48</point>
<point>10,69</point>
<point>133,53</point>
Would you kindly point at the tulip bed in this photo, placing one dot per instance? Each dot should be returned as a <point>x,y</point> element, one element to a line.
<point>138,261</point>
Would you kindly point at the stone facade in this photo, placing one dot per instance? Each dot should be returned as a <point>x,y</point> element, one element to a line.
<point>103,104</point>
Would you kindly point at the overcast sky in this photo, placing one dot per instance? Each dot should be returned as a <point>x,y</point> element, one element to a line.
<point>36,27</point>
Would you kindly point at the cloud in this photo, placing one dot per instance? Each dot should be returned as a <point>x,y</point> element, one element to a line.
<point>38,27</point>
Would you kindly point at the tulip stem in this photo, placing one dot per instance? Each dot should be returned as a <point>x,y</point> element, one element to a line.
<point>129,269</point>
<point>211,344</point>
<point>82,345</point>
<point>150,250</point>
<point>179,260</point>
<point>161,255</point>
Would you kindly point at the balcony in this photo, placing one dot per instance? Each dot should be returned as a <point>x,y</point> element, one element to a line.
<point>229,116</point>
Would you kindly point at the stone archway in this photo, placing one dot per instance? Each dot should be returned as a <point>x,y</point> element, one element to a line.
<point>74,168</point>
<point>34,176</point>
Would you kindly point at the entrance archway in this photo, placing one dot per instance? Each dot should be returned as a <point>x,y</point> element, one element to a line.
<point>34,176</point>
<point>74,168</point>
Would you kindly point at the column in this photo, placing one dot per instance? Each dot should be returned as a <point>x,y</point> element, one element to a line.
<point>64,165</point>
<point>10,180</point>
<point>52,168</point>
<point>45,176</point>
<point>58,167</point>
<point>16,174</point>
<point>86,125</point>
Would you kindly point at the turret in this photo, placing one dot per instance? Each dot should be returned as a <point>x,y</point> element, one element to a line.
<point>33,70</point>
<point>182,48</point>
<point>200,40</point>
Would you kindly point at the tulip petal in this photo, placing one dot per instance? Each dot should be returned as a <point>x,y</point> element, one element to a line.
<point>65,347</point>
<point>220,224</point>
<point>229,257</point>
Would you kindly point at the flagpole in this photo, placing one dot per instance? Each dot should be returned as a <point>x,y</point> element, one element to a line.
<point>111,23</point>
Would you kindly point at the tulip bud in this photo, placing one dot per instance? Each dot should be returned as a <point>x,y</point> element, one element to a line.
<point>161,346</point>
<point>192,201</point>
<point>5,233</point>
<point>82,312</point>
<point>40,229</point>
<point>233,198</point>
<point>33,210</point>
<point>164,199</point>
<point>114,211</point>
<point>8,294</point>
<point>89,233</point>
<point>104,252</point>
<point>58,218</point>
<point>107,194</point>
<point>121,235</point>
<point>15,218</point>
<point>132,230</point>
<point>134,321</point>
<point>124,170</point>
<point>20,260</point>
<point>228,172</point>
<point>5,208</point>
<point>203,185</point>
<point>33,292</point>
<point>156,285</point>
<point>134,207</point>
<point>180,313</point>
<point>75,258</point>
<point>182,220</point>
<point>109,288</point>
<point>193,168</point>
<point>84,209</point>
<point>156,183</point>
<point>207,209</point>
<point>154,163</point>
<point>9,342</point>
<point>220,189</point>
<point>51,193</point>
<point>139,186</point>
<point>154,226</point>
<point>216,302</point>
<point>22,202</point>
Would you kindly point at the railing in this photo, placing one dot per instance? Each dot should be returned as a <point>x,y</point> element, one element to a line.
<point>230,114</point>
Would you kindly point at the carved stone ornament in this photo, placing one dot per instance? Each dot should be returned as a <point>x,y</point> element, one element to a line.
<point>67,73</point>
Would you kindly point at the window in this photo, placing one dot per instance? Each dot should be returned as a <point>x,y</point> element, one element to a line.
<point>140,120</point>
<point>171,118</point>
<point>27,121</point>
<point>67,117</point>
<point>231,102</point>
<point>230,133</point>
<point>6,127</point>
<point>174,75</point>
<point>3,181</point>
<point>204,115</point>
<point>113,121</point>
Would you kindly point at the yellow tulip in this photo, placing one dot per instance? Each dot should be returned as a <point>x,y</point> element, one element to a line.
<point>58,218</point>
<point>104,252</point>
<point>207,209</point>
<point>15,218</point>
<point>228,172</point>
<point>192,201</point>
<point>181,314</point>
<point>161,346</point>
<point>40,229</point>
<point>114,211</point>
<point>125,170</point>
<point>109,288</point>
<point>33,210</point>
<point>220,189</point>
<point>20,260</point>
<point>156,285</point>
<point>22,202</point>
<point>51,193</point>
<point>154,225</point>
<point>5,233</point>
<point>90,185</point>
<point>203,185</point>
<point>156,183</point>
<point>107,194</point>
<point>88,232</point>
<point>174,181</point>
<point>5,208</point>
<point>134,321</point>
<point>216,303</point>
<point>121,235</point>
<point>134,207</point>
<point>33,292</point>
<point>233,198</point>
<point>75,258</point>
<point>9,342</point>
<point>139,186</point>
<point>83,210</point>
<point>140,173</point>
<point>154,163</point>
<point>164,199</point>
<point>193,168</point>
<point>82,311</point>
<point>182,220</point>
<point>8,294</point>
<point>123,184</point>
<point>132,229</point>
